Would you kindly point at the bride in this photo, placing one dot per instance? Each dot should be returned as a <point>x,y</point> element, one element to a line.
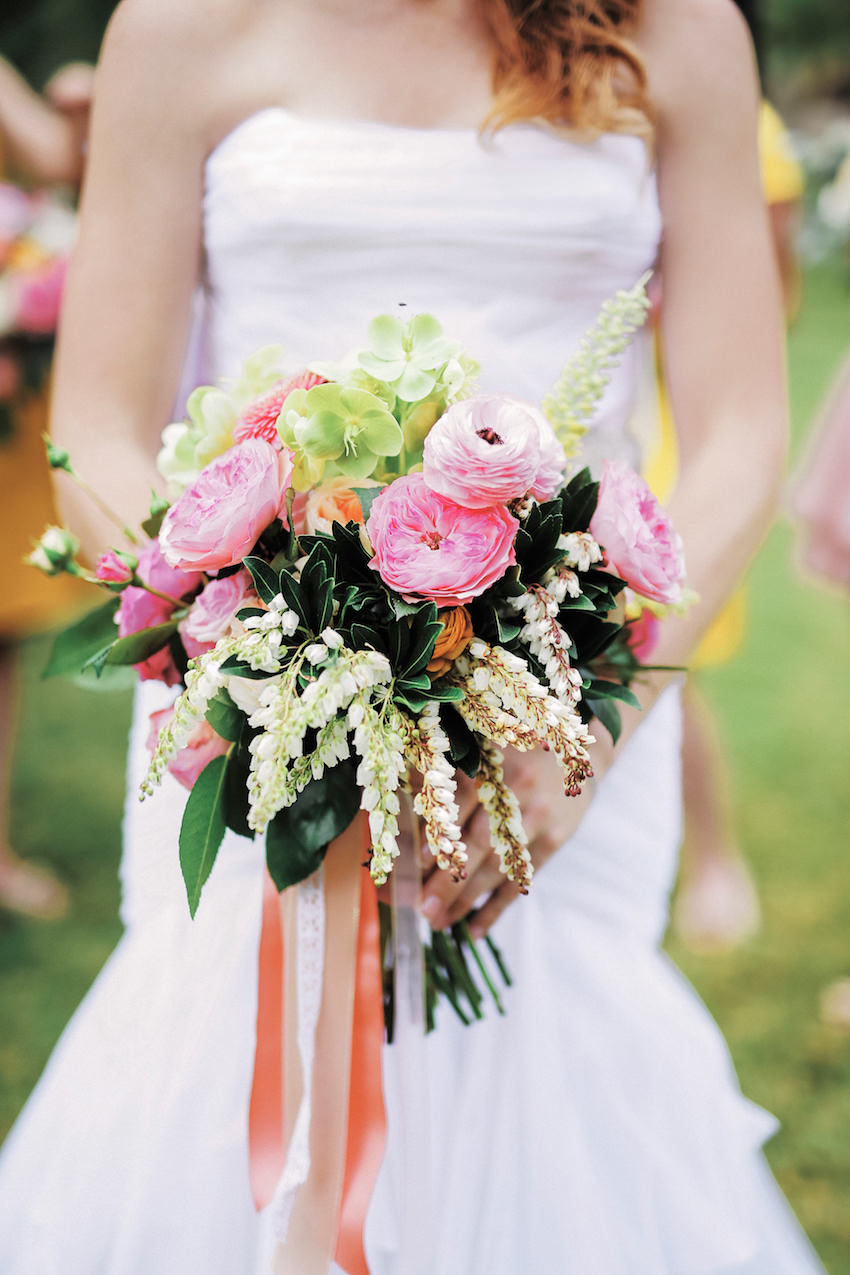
<point>285,169</point>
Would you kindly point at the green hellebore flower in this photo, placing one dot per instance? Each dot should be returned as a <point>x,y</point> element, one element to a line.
<point>407,356</point>
<point>349,426</point>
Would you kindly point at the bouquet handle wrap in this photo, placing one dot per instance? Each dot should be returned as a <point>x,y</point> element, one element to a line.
<point>319,1033</point>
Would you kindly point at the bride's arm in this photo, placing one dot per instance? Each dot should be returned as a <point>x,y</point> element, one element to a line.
<point>128,299</point>
<point>723,340</point>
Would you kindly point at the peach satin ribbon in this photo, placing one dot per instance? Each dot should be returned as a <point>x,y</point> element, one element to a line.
<point>348,1122</point>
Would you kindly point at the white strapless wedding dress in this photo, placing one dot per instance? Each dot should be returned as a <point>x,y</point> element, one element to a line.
<point>596,1130</point>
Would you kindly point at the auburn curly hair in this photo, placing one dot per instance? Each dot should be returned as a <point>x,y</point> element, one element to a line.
<point>570,62</point>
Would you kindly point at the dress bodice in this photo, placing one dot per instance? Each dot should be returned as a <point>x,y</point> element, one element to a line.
<point>312,227</point>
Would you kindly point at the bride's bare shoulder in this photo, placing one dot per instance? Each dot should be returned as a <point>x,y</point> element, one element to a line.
<point>699,56</point>
<point>172,64</point>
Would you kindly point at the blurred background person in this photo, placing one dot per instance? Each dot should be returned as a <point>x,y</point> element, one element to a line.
<point>717,906</point>
<point>41,145</point>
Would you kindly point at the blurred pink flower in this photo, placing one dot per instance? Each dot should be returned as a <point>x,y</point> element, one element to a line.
<point>38,296</point>
<point>427,546</point>
<point>643,633</point>
<point>639,539</point>
<point>218,520</point>
<point>485,451</point>
<point>202,746</point>
<point>259,420</point>
<point>213,611</point>
<point>16,211</point>
<point>142,610</point>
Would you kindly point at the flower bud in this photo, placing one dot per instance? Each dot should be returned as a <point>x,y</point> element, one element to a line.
<point>55,552</point>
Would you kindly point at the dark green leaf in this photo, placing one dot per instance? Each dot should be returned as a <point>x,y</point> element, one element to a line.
<point>235,795</point>
<point>366,495</point>
<point>140,646</point>
<point>297,838</point>
<point>225,718</point>
<point>607,714</point>
<point>264,577</point>
<point>80,642</point>
<point>202,829</point>
<point>507,630</point>
<point>612,690</point>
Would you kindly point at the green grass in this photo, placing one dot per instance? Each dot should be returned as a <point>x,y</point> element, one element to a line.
<point>785,708</point>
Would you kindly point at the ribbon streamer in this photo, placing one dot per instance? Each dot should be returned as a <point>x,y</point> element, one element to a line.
<point>319,1040</point>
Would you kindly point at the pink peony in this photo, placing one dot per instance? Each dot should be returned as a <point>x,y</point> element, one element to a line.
<point>142,610</point>
<point>111,569</point>
<point>427,546</point>
<point>202,746</point>
<point>218,520</point>
<point>213,611</point>
<point>639,539</point>
<point>259,420</point>
<point>489,450</point>
<point>39,298</point>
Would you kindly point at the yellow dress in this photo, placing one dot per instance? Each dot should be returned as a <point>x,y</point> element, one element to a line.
<point>28,600</point>
<point>782,182</point>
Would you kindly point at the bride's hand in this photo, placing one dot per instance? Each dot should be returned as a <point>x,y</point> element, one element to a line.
<point>550,818</point>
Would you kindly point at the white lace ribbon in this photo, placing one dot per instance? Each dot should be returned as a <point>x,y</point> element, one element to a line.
<point>310,943</point>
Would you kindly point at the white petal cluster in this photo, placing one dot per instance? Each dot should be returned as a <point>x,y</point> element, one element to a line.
<point>548,642</point>
<point>284,717</point>
<point>516,708</point>
<point>435,803</point>
<point>379,740</point>
<point>204,679</point>
<point>580,550</point>
<point>507,832</point>
<point>572,401</point>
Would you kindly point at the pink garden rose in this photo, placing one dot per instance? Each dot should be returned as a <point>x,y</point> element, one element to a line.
<point>142,610</point>
<point>639,539</point>
<point>213,611</point>
<point>218,520</point>
<point>491,449</point>
<point>112,569</point>
<point>259,420</point>
<point>427,546</point>
<point>202,746</point>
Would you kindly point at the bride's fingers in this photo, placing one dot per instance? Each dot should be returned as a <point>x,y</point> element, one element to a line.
<point>484,917</point>
<point>466,796</point>
<point>487,879</point>
<point>441,892</point>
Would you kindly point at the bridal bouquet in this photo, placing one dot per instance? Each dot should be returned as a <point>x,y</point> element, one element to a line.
<point>367,576</point>
<point>36,236</point>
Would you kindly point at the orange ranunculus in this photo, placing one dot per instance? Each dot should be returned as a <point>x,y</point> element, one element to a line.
<point>334,501</point>
<point>455,637</point>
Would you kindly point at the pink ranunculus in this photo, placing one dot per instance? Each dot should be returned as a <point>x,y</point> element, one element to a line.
<point>200,749</point>
<point>39,298</point>
<point>259,420</point>
<point>218,520</point>
<point>140,609</point>
<point>484,451</point>
<point>639,539</point>
<point>643,633</point>
<point>111,569</point>
<point>213,611</point>
<point>427,546</point>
